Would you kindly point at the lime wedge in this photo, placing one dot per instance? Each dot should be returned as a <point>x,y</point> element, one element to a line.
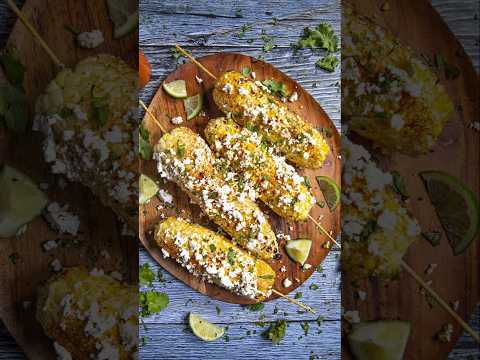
<point>148,189</point>
<point>124,15</point>
<point>298,250</point>
<point>193,105</point>
<point>330,191</point>
<point>379,340</point>
<point>20,201</point>
<point>176,88</point>
<point>203,329</point>
<point>456,206</point>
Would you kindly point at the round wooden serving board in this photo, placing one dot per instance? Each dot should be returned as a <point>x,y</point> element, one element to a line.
<point>100,228</point>
<point>417,24</point>
<point>164,107</point>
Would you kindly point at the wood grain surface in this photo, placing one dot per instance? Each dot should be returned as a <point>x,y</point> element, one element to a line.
<point>100,229</point>
<point>165,107</point>
<point>457,277</point>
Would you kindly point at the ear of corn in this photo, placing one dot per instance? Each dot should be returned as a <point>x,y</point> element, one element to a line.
<point>88,117</point>
<point>389,94</point>
<point>376,229</point>
<point>184,158</point>
<point>253,106</point>
<point>214,258</point>
<point>90,314</point>
<point>277,184</point>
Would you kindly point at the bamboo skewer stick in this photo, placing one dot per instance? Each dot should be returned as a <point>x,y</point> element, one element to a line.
<point>158,123</point>
<point>34,33</point>
<point>404,265</point>
<point>294,301</point>
<point>442,303</point>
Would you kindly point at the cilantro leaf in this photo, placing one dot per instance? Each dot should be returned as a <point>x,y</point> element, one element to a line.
<point>146,275</point>
<point>144,147</point>
<point>276,88</point>
<point>322,37</point>
<point>276,332</point>
<point>255,307</point>
<point>231,256</point>
<point>152,302</point>
<point>246,71</point>
<point>98,109</point>
<point>328,63</point>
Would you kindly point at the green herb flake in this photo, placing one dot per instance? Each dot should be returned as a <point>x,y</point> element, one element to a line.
<point>71,29</point>
<point>231,256</point>
<point>306,327</point>
<point>266,277</point>
<point>146,275</point>
<point>314,287</point>
<point>246,71</point>
<point>219,311</point>
<point>322,37</point>
<point>276,332</point>
<point>14,257</point>
<point>276,88</point>
<point>255,307</point>
<point>238,13</point>
<point>328,63</point>
<point>298,295</point>
<point>433,237</point>
<point>180,150</point>
<point>98,109</point>
<point>152,302</point>
<point>213,248</point>
<point>144,147</point>
<point>307,182</point>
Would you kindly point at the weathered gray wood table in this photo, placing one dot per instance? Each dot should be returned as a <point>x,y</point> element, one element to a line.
<point>217,25</point>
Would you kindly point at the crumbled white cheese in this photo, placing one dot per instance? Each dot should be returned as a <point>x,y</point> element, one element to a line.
<point>351,316</point>
<point>91,39</point>
<point>362,295</point>
<point>177,120</point>
<point>293,97</point>
<point>430,268</point>
<point>306,266</point>
<point>287,283</point>
<point>50,245</point>
<point>199,79</point>
<point>283,268</point>
<point>62,353</point>
<point>165,196</point>
<point>61,219</point>
<point>254,75</point>
<point>56,265</point>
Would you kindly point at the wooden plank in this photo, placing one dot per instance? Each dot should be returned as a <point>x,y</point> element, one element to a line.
<point>184,299</point>
<point>240,345</point>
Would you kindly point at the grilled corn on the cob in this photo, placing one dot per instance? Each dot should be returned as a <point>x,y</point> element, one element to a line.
<point>88,117</point>
<point>389,94</point>
<point>252,105</point>
<point>185,158</point>
<point>376,228</point>
<point>214,258</point>
<point>90,315</point>
<point>277,184</point>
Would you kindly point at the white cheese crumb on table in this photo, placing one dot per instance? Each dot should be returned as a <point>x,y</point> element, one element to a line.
<point>90,39</point>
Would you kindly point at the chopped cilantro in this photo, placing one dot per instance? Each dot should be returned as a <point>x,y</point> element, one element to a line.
<point>217,308</point>
<point>13,257</point>
<point>180,150</point>
<point>277,88</point>
<point>175,53</point>
<point>244,29</point>
<point>328,63</point>
<point>298,295</point>
<point>71,29</point>
<point>433,237</point>
<point>319,268</point>
<point>276,332</point>
<point>322,37</point>
<point>307,182</point>
<point>246,71</point>
<point>313,287</point>
<point>274,21</point>
<point>238,13</point>
<point>98,109</point>
<point>266,277</point>
<point>305,326</point>
<point>231,256</point>
<point>152,302</point>
<point>320,320</point>
<point>146,275</point>
<point>255,307</point>
<point>451,72</point>
<point>213,248</point>
<point>144,147</point>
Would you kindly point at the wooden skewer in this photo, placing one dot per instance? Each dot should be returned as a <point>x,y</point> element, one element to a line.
<point>294,301</point>
<point>34,32</point>
<point>324,231</point>
<point>187,54</point>
<point>158,123</point>
<point>442,303</point>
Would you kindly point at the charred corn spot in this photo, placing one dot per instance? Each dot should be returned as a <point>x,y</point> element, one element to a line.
<point>88,117</point>
<point>185,158</point>
<point>90,314</point>
<point>389,94</point>
<point>376,228</point>
<point>214,258</point>
<point>277,184</point>
<point>251,105</point>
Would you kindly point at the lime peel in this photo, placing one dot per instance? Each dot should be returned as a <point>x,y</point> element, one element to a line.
<point>176,89</point>
<point>298,250</point>
<point>193,105</point>
<point>147,189</point>
<point>203,329</point>
<point>330,191</point>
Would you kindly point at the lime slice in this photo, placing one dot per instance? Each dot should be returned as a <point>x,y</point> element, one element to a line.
<point>203,329</point>
<point>330,191</point>
<point>298,250</point>
<point>379,340</point>
<point>456,206</point>
<point>124,15</point>
<point>20,201</point>
<point>148,189</point>
<point>176,88</point>
<point>193,105</point>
